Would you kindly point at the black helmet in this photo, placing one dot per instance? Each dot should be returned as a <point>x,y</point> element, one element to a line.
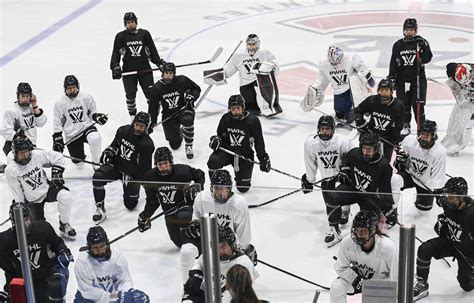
<point>71,80</point>
<point>410,23</point>
<point>364,219</point>
<point>327,121</point>
<point>385,83</point>
<point>21,143</point>
<point>169,66</point>
<point>221,179</point>
<point>456,185</point>
<point>163,154</point>
<point>369,139</point>
<point>430,127</point>
<point>23,88</point>
<point>24,207</point>
<point>236,100</point>
<point>142,117</point>
<point>227,235</point>
<point>129,16</point>
<point>97,235</point>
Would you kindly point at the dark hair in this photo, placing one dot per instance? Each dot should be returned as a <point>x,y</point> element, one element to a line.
<point>239,281</point>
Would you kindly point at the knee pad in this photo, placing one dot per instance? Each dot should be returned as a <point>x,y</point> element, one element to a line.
<point>57,285</point>
<point>175,144</point>
<point>94,138</point>
<point>466,283</point>
<point>184,215</point>
<point>130,203</point>
<point>98,175</point>
<point>424,203</point>
<point>426,251</point>
<point>187,118</point>
<point>214,163</point>
<point>243,186</point>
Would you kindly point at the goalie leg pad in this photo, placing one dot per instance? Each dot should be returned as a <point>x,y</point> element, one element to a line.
<point>358,86</point>
<point>215,77</point>
<point>459,130</point>
<point>268,95</point>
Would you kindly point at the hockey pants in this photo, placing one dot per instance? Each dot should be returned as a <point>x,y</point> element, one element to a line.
<point>130,86</point>
<point>61,195</point>
<point>339,290</point>
<point>403,180</point>
<point>406,91</point>
<point>177,128</point>
<point>242,168</point>
<point>93,138</point>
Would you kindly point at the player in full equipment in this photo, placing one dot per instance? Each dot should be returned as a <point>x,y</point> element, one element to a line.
<point>28,182</point>
<point>102,274</point>
<point>364,178</point>
<point>136,48</point>
<point>366,254</point>
<point>461,120</point>
<point>421,163</point>
<point>229,255</point>
<point>238,131</point>
<point>75,114</point>
<point>173,190</point>
<point>336,70</point>
<point>26,115</point>
<point>231,210</point>
<point>176,94</point>
<point>405,68</point>
<point>386,116</point>
<point>455,231</point>
<point>127,158</point>
<point>325,151</point>
<point>49,258</point>
<point>257,69</point>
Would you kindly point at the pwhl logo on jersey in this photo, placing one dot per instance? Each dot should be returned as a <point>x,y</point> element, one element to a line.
<point>362,180</point>
<point>126,150</point>
<point>363,270</point>
<point>329,161</point>
<point>35,253</point>
<point>172,102</point>
<point>107,283</point>
<point>167,197</point>
<point>419,167</point>
<point>33,178</point>
<point>29,122</point>
<point>77,117</point>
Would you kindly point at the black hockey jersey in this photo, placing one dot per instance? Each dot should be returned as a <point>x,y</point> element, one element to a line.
<point>44,245</point>
<point>171,96</point>
<point>386,120</point>
<point>403,60</point>
<point>240,135</point>
<point>134,153</point>
<point>373,176</point>
<point>136,48</point>
<point>458,227</point>
<point>168,194</point>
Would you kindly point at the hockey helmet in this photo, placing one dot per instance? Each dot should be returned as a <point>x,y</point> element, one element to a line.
<point>384,97</point>
<point>71,80</point>
<point>98,243</point>
<point>253,44</point>
<point>129,16</point>
<point>143,118</point>
<point>410,23</point>
<point>221,185</point>
<point>369,139</point>
<point>236,100</point>
<point>364,219</point>
<point>455,192</point>
<point>463,74</point>
<point>23,88</point>
<point>163,154</point>
<point>227,235</point>
<point>428,127</point>
<point>21,148</point>
<point>335,54</point>
<point>168,67</point>
<point>26,214</point>
<point>326,121</point>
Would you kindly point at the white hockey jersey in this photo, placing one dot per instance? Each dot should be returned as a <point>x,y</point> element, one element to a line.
<point>233,213</point>
<point>29,182</point>
<point>73,116</point>
<point>97,280</point>
<point>242,62</point>
<point>338,75</point>
<point>19,117</point>
<point>325,155</point>
<point>379,264</point>
<point>428,165</point>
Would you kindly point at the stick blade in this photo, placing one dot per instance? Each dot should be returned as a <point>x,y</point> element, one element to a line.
<point>216,54</point>
<point>83,248</point>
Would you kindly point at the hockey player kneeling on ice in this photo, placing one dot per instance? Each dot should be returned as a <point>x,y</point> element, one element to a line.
<point>25,115</point>
<point>421,163</point>
<point>127,158</point>
<point>231,210</point>
<point>461,120</point>
<point>455,231</point>
<point>364,178</point>
<point>102,273</point>
<point>386,116</point>
<point>325,151</point>
<point>49,258</point>
<point>74,115</point>
<point>366,254</point>
<point>28,182</point>
<point>257,69</point>
<point>229,255</point>
<point>176,94</point>
<point>173,190</point>
<point>238,131</point>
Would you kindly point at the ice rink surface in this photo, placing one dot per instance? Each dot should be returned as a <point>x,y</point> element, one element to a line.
<point>43,41</point>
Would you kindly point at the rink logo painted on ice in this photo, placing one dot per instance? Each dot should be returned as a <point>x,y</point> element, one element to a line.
<point>35,253</point>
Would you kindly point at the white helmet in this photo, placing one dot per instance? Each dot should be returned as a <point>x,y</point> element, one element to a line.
<point>335,54</point>
<point>463,74</point>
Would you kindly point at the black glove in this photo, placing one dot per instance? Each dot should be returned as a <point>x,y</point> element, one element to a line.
<point>58,142</point>
<point>143,223</point>
<point>215,142</point>
<point>191,193</point>
<point>251,252</point>
<point>189,101</point>
<point>4,297</point>
<point>100,118</point>
<point>401,161</point>
<point>107,155</point>
<point>360,121</point>
<point>64,258</point>
<point>420,40</point>
<point>193,285</point>
<point>57,175</point>
<point>357,284</point>
<point>160,64</point>
<point>306,185</point>
<point>440,196</point>
<point>265,164</point>
<point>393,82</point>
<point>193,231</point>
<point>116,73</point>
<point>440,227</point>
<point>391,217</point>
<point>344,176</point>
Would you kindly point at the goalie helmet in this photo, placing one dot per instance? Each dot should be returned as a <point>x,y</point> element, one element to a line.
<point>253,44</point>
<point>26,214</point>
<point>163,154</point>
<point>335,54</point>
<point>431,128</point>
<point>96,236</point>
<point>364,219</point>
<point>221,185</point>
<point>326,121</point>
<point>369,139</point>
<point>410,23</point>
<point>144,118</point>
<point>463,74</point>
<point>22,144</point>
<point>71,80</point>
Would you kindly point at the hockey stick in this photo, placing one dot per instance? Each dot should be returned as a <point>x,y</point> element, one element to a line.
<point>84,248</point>
<point>170,117</point>
<point>208,89</point>
<point>77,159</point>
<point>256,162</point>
<point>418,89</point>
<point>82,133</point>
<point>293,275</point>
<point>212,59</point>
<point>4,222</point>
<point>277,198</point>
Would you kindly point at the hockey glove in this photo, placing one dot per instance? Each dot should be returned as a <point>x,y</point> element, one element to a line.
<point>251,252</point>
<point>108,155</point>
<point>57,176</point>
<point>440,227</point>
<point>215,142</point>
<point>160,64</point>
<point>193,231</point>
<point>100,118</point>
<point>4,297</point>
<point>58,142</point>
<point>189,101</point>
<point>64,258</point>
<point>357,284</point>
<point>391,217</point>
<point>306,185</point>
<point>393,82</point>
<point>401,161</point>
<point>191,193</point>
<point>116,73</point>
<point>193,285</point>
<point>265,164</point>
<point>420,40</point>
<point>143,223</point>
<point>344,175</point>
